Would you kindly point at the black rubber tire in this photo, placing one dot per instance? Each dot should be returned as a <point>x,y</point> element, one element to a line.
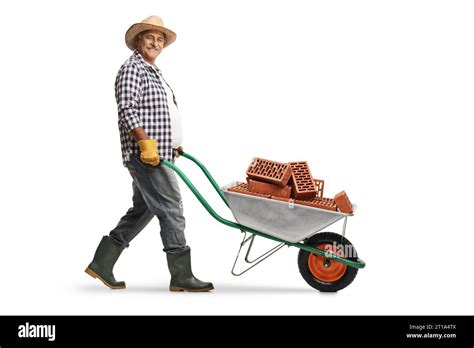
<point>323,238</point>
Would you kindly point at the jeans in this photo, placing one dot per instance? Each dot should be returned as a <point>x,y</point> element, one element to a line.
<point>155,193</point>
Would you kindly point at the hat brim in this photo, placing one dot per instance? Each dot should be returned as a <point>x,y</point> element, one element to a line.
<point>137,28</point>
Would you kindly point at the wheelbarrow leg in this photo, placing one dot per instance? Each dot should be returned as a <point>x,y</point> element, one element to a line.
<point>252,238</point>
<point>259,259</point>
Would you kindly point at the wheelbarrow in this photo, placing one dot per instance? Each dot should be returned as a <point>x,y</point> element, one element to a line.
<point>327,261</point>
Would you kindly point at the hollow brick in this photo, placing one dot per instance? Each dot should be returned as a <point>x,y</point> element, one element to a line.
<point>269,171</point>
<point>243,188</point>
<point>319,184</point>
<point>268,189</point>
<point>302,181</point>
<point>343,202</point>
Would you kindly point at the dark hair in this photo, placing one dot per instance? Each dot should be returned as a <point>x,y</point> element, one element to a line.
<point>137,38</point>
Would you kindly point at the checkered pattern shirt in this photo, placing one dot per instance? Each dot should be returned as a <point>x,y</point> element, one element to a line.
<point>141,102</point>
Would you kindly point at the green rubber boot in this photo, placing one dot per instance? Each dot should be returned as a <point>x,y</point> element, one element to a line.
<point>182,278</point>
<point>103,263</point>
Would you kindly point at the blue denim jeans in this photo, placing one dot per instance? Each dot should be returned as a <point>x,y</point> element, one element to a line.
<point>155,193</point>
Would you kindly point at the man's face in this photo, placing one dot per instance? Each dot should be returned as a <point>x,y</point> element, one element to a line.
<point>150,44</point>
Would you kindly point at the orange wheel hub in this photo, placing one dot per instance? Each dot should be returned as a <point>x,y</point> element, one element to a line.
<point>325,269</point>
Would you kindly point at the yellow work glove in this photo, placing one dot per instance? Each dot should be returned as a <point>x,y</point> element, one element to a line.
<point>149,152</point>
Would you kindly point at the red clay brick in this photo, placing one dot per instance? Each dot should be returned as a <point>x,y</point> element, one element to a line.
<point>321,203</point>
<point>243,188</point>
<point>269,171</point>
<point>268,189</point>
<point>343,202</point>
<point>302,181</point>
<point>319,184</point>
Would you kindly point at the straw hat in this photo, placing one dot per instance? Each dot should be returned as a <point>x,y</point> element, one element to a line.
<point>149,23</point>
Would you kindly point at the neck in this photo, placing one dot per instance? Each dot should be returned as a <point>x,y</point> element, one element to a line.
<point>146,59</point>
<point>149,61</point>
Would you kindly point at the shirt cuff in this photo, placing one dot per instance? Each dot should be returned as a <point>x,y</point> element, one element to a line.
<point>130,122</point>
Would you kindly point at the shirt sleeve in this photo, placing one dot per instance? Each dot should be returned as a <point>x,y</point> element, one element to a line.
<point>128,89</point>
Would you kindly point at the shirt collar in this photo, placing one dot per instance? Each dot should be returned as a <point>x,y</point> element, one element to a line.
<point>144,63</point>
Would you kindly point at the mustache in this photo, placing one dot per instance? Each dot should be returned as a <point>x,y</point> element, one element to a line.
<point>158,48</point>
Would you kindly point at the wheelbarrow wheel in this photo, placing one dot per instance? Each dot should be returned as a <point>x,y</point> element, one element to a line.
<point>324,274</point>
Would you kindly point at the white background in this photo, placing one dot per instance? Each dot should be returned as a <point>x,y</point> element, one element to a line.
<point>375,95</point>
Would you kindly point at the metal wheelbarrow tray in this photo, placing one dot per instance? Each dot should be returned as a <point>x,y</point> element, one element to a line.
<point>287,221</point>
<point>327,261</point>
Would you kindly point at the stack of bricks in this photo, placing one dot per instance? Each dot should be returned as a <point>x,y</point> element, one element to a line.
<point>289,182</point>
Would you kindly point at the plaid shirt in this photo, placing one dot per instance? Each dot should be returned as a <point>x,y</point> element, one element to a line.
<point>141,102</point>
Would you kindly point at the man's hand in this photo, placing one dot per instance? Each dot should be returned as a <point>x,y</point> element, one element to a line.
<point>149,152</point>
<point>179,149</point>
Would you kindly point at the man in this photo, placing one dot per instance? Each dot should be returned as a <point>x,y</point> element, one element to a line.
<point>150,129</point>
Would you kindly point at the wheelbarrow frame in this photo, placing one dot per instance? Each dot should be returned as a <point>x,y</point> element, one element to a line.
<point>300,245</point>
